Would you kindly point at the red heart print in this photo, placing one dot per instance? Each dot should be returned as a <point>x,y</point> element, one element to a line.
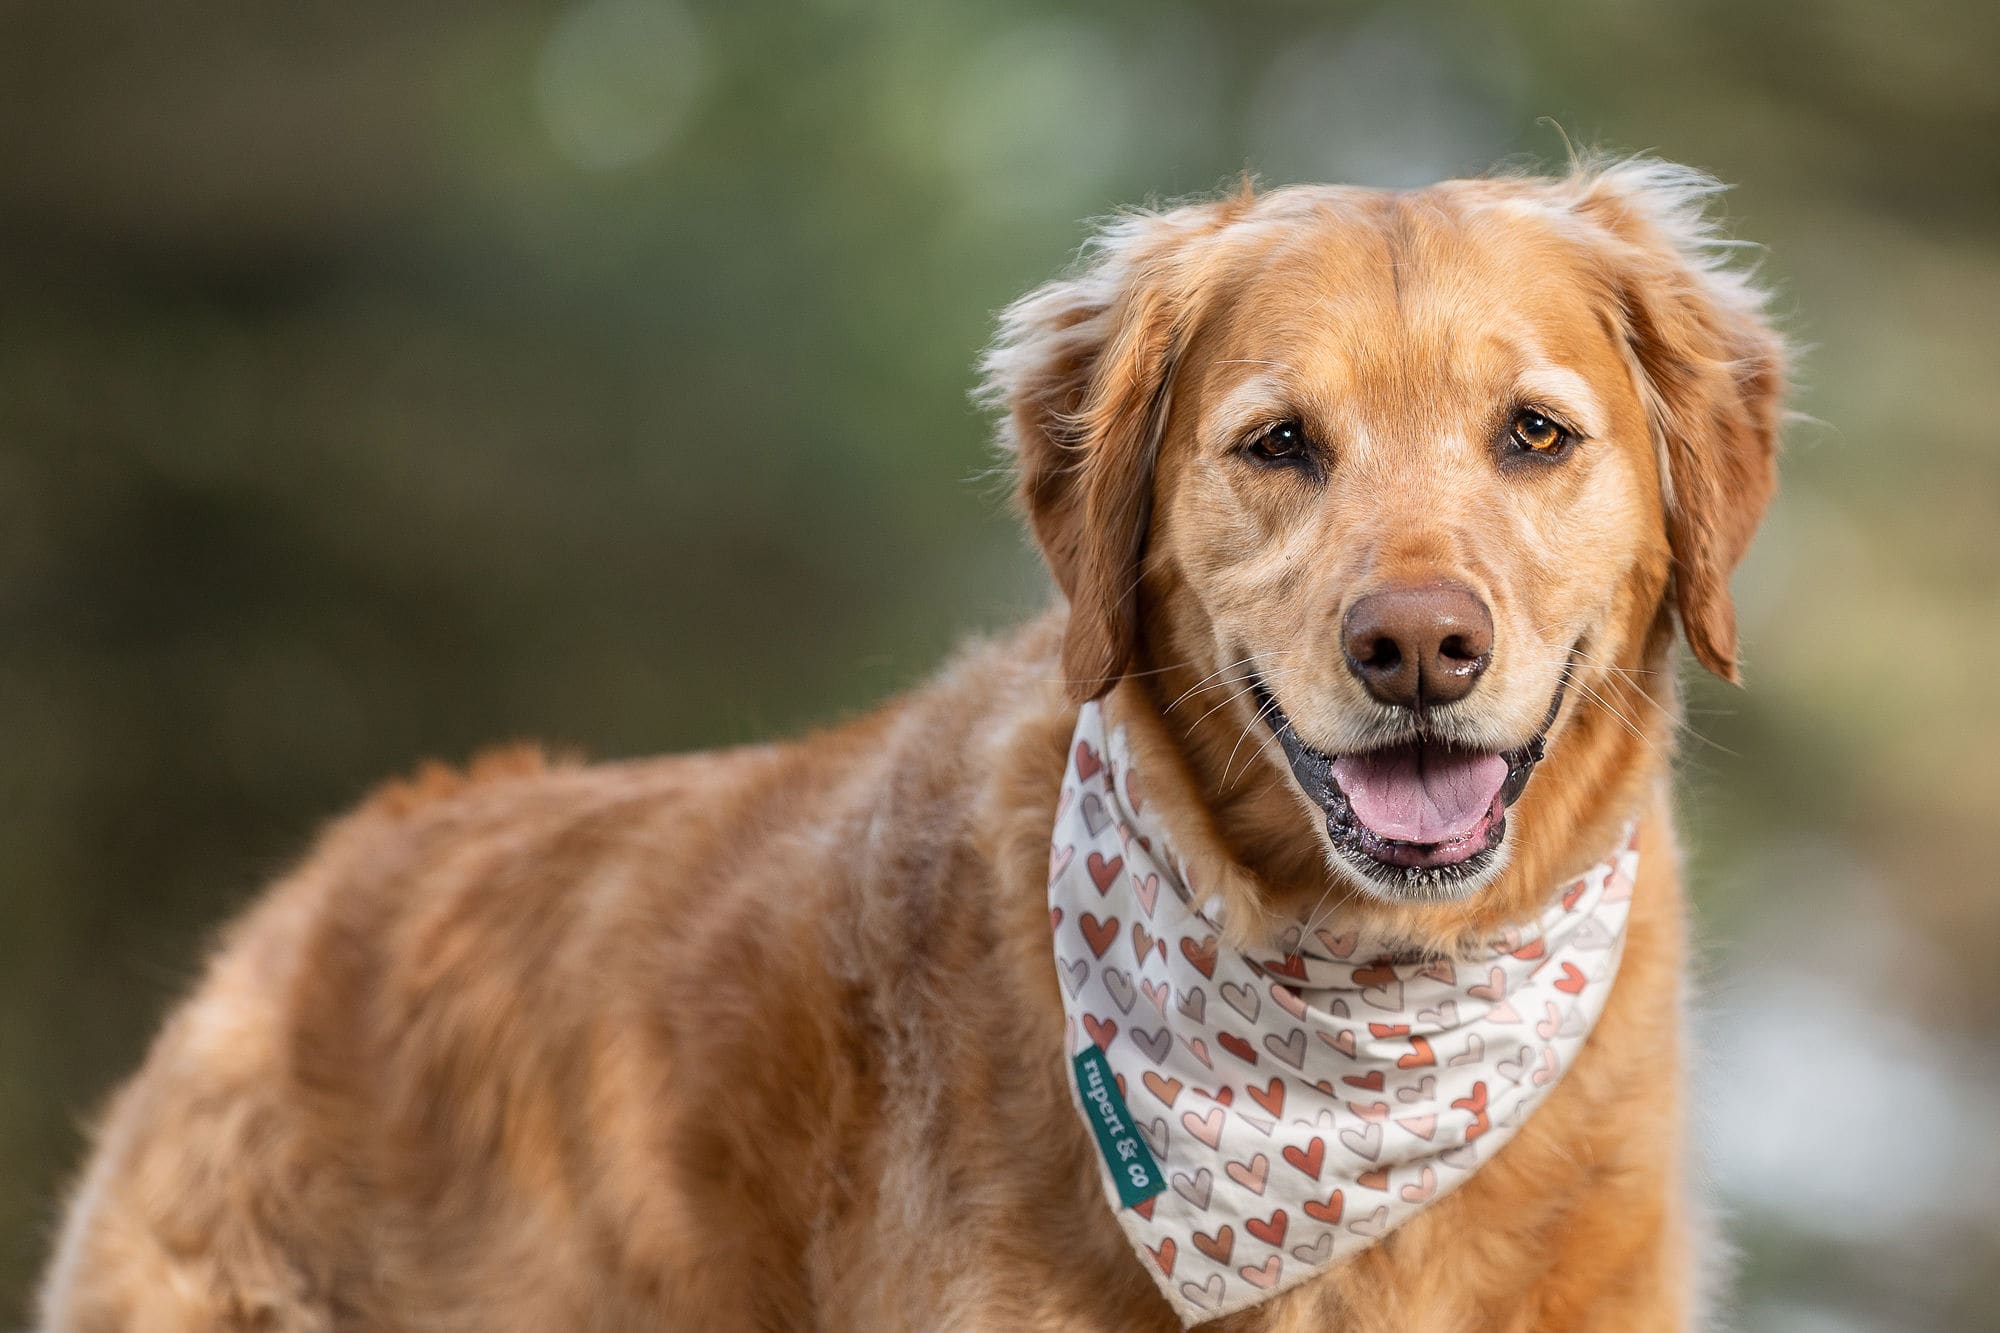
<point>1328,1212</point>
<point>1532,949</point>
<point>1271,1230</point>
<point>1237,1047</point>
<point>1103,1031</point>
<point>1218,1246</point>
<point>1389,1029</point>
<point>1377,973</point>
<point>1098,934</point>
<point>1419,1055</point>
<point>1202,955</point>
<point>1225,1096</point>
<point>1475,1102</point>
<point>1104,873</point>
<point>1141,942</point>
<point>1271,1096</point>
<point>1310,1159</point>
<point>1055,918</point>
<point>1386,994</point>
<point>1088,765</point>
<point>1168,1090</point>
<point>1378,1179</point>
<point>1570,898</point>
<point>1572,979</point>
<point>1372,1080</point>
<point>1163,1254</point>
<point>1145,1209</point>
<point>1291,965</point>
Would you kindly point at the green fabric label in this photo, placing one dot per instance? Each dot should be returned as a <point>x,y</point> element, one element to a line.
<point>1131,1163</point>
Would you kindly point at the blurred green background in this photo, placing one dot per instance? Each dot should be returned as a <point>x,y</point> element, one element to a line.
<point>379,381</point>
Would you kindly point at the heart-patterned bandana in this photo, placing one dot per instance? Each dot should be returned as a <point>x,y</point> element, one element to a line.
<point>1262,1117</point>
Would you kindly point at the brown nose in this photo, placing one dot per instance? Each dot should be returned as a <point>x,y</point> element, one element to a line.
<point>1415,646</point>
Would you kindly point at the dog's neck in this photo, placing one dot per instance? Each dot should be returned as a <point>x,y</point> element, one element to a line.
<point>1607,751</point>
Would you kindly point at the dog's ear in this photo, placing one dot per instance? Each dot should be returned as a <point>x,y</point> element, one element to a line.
<point>1712,372</point>
<point>1083,369</point>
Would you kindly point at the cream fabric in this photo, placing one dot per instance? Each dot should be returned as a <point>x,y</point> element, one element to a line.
<point>1296,1107</point>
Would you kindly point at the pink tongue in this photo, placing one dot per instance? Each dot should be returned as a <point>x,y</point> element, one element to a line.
<point>1420,793</point>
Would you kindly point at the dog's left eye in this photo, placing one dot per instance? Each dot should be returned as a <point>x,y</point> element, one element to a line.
<point>1534,433</point>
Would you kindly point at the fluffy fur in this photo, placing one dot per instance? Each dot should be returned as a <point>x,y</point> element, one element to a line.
<point>769,1038</point>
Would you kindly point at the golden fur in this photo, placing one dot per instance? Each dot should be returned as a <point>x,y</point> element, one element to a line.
<point>770,1038</point>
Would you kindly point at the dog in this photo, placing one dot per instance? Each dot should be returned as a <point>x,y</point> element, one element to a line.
<point>1373,515</point>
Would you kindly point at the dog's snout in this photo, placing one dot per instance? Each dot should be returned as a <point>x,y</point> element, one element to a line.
<point>1413,646</point>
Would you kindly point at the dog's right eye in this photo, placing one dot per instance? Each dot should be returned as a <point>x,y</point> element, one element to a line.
<point>1283,443</point>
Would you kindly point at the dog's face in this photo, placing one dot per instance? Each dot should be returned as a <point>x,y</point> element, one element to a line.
<point>1396,475</point>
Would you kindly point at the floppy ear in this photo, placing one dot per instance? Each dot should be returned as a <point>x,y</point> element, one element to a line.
<point>1712,371</point>
<point>1084,370</point>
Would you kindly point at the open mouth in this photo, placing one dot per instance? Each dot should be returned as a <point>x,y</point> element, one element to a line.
<point>1418,812</point>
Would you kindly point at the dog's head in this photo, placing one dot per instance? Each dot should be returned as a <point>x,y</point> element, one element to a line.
<point>1388,477</point>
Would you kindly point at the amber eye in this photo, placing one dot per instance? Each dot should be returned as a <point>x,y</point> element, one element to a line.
<point>1282,443</point>
<point>1537,434</point>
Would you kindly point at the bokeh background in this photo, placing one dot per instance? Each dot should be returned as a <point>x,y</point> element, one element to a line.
<point>382,380</point>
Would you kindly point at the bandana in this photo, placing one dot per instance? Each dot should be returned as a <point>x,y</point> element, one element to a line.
<point>1261,1118</point>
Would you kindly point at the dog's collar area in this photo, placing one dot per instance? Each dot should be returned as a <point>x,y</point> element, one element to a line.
<point>1399,862</point>
<point>1259,1117</point>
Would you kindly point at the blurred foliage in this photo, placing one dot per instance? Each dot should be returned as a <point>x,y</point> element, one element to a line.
<point>384,380</point>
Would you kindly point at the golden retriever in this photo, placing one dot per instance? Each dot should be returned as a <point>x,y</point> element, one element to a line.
<point>771,1038</point>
